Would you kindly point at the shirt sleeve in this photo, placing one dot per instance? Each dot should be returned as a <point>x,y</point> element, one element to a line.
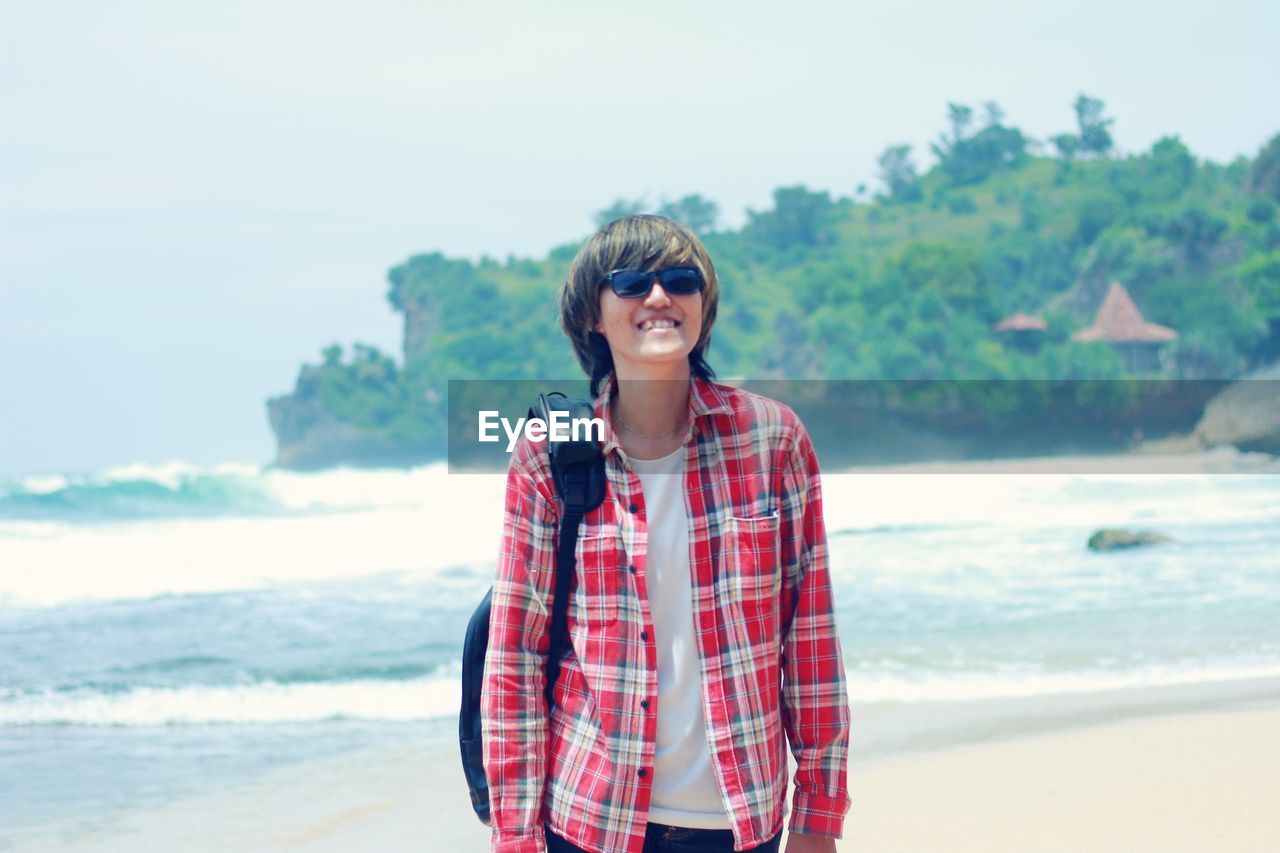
<point>513,710</point>
<point>815,699</point>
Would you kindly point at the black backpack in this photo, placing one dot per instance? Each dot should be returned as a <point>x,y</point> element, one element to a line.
<point>578,470</point>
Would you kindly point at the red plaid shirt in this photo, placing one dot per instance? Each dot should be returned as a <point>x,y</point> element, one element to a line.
<point>766,635</point>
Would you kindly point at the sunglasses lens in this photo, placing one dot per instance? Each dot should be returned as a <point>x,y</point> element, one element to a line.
<point>682,281</point>
<point>636,284</point>
<point>631,284</point>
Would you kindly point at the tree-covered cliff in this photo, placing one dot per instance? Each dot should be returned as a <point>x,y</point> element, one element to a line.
<point>908,283</point>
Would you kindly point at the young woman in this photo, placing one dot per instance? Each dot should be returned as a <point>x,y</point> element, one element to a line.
<point>701,624</point>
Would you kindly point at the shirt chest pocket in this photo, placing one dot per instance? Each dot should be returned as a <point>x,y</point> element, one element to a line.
<point>600,559</point>
<point>751,546</point>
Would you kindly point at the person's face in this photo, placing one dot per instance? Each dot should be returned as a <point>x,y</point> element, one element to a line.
<point>650,335</point>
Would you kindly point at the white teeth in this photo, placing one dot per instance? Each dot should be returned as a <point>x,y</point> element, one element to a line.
<point>658,324</point>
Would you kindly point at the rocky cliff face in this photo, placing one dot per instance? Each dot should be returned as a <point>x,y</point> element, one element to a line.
<point>420,324</point>
<point>1246,414</point>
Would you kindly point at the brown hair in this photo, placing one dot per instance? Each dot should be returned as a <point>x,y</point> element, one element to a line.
<point>644,241</point>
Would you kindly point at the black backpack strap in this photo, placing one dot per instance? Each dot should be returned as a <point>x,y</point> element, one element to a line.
<point>578,470</point>
<point>566,565</point>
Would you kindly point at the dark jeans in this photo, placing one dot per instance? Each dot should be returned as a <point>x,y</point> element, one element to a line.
<point>660,838</point>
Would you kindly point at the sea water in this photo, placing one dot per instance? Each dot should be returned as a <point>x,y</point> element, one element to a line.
<point>170,630</point>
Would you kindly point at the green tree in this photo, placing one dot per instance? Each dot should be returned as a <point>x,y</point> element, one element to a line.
<point>699,213</point>
<point>798,217</point>
<point>1068,144</point>
<point>1097,211</point>
<point>1195,231</point>
<point>1261,211</point>
<point>1260,274</point>
<point>899,174</point>
<point>1129,255</point>
<point>1264,174</point>
<point>1095,134</point>
<point>423,279</point>
<point>970,159</point>
<point>366,391</point>
<point>1169,157</point>
<point>953,271</point>
<point>1032,211</point>
<point>960,118</point>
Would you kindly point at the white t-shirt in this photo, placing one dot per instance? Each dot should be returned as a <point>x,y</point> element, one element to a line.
<point>684,791</point>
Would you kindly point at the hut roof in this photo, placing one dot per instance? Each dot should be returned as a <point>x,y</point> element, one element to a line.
<point>1120,322</point>
<point>1019,322</point>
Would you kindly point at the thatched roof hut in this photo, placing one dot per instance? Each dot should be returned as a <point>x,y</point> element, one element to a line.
<point>1019,322</point>
<point>1120,322</point>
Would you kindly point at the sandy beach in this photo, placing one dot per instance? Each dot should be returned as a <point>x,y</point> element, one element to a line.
<point>1168,769</point>
<point>1204,781</point>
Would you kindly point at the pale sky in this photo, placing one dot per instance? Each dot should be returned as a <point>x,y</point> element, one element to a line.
<point>196,198</point>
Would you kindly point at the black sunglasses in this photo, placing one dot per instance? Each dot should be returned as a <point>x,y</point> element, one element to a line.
<point>636,284</point>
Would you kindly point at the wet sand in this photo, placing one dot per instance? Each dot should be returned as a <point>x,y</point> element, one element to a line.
<point>1194,767</point>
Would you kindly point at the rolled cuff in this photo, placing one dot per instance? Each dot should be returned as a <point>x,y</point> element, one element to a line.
<point>533,841</point>
<point>816,813</point>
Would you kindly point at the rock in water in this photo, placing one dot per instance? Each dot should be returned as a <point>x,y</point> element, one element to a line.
<point>1246,414</point>
<point>1113,539</point>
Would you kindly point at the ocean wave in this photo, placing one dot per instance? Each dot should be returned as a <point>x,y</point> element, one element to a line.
<point>182,490</point>
<point>385,555</point>
<point>357,488</point>
<point>181,663</point>
<point>139,492</point>
<point>266,702</point>
<point>870,501</point>
<point>439,695</point>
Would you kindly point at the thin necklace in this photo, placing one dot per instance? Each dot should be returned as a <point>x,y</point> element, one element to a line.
<point>666,434</point>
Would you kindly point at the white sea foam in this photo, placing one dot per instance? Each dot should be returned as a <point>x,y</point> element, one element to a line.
<point>430,520</point>
<point>337,488</point>
<point>923,687</point>
<point>168,474</point>
<point>129,561</point>
<point>43,484</point>
<point>870,500</point>
<point>439,696</point>
<point>269,702</point>
<point>342,488</point>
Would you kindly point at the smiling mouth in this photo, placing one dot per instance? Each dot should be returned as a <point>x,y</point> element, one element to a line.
<point>649,325</point>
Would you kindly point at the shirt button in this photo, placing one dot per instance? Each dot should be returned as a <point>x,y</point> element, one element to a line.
<point>643,773</point>
<point>644,703</point>
<point>644,635</point>
<point>633,569</point>
<point>635,508</point>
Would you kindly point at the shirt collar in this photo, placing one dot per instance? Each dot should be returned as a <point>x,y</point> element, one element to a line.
<point>705,399</point>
